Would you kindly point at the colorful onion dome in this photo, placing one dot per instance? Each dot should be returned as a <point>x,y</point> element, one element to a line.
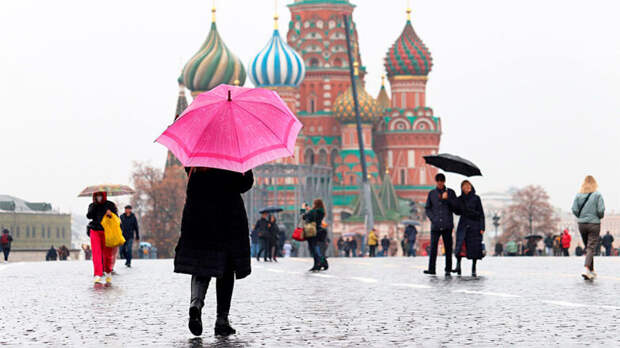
<point>383,100</point>
<point>277,64</point>
<point>408,55</point>
<point>344,107</point>
<point>212,65</point>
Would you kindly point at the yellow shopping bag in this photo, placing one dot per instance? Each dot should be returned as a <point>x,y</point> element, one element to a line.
<point>112,229</point>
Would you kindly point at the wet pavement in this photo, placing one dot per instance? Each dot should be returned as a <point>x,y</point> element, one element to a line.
<point>380,302</point>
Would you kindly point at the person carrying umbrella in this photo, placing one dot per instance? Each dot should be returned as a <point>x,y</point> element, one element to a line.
<point>440,209</point>
<point>103,257</point>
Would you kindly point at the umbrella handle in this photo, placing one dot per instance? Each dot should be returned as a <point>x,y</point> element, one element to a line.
<point>229,96</point>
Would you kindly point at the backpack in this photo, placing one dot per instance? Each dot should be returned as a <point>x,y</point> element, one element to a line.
<point>5,239</point>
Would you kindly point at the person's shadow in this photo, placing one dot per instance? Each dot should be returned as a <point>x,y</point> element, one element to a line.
<point>227,342</point>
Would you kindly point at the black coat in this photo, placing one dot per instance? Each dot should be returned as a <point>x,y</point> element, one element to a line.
<point>262,228</point>
<point>317,215</point>
<point>469,207</point>
<point>96,212</point>
<point>274,232</point>
<point>441,211</point>
<point>214,230</point>
<point>129,225</point>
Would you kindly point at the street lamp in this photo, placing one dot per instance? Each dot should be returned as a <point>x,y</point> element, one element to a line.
<point>496,219</point>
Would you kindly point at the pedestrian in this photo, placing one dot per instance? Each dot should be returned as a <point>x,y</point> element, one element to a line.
<point>470,229</point>
<point>373,242</point>
<point>274,234</point>
<point>87,252</point>
<point>566,239</point>
<point>557,245</point>
<point>347,247</point>
<point>315,215</point>
<point>608,241</point>
<point>512,248</point>
<point>340,245</point>
<point>385,245</point>
<point>411,234</point>
<point>589,208</point>
<point>548,245</point>
<point>214,240</point>
<point>254,242</point>
<point>281,240</point>
<point>578,251</point>
<point>440,209</point>
<point>103,257</point>
<point>354,246</point>
<point>288,248</point>
<point>499,249</point>
<point>5,244</point>
<point>63,253</point>
<point>51,254</point>
<point>129,226</point>
<point>262,228</point>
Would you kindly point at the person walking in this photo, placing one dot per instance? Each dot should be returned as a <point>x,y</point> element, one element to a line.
<point>129,226</point>
<point>566,239</point>
<point>608,241</point>
<point>439,209</point>
<point>411,234</point>
<point>103,257</point>
<point>316,215</point>
<point>589,208</point>
<point>512,249</point>
<point>385,245</point>
<point>254,243</point>
<point>470,228</point>
<point>354,247</point>
<point>347,247</point>
<point>214,241</point>
<point>340,245</point>
<point>262,229</point>
<point>499,249</point>
<point>373,242</point>
<point>5,244</point>
<point>548,245</point>
<point>274,235</point>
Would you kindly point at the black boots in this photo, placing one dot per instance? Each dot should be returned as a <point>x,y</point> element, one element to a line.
<point>222,326</point>
<point>195,321</point>
<point>457,270</point>
<point>473,268</point>
<point>199,290</point>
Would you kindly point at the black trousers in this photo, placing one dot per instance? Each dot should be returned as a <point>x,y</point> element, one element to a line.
<point>446,236</point>
<point>6,251</point>
<point>265,246</point>
<point>372,251</point>
<point>223,287</point>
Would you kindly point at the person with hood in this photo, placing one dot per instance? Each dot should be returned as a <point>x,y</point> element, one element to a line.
<point>385,245</point>
<point>273,235</point>
<point>5,244</point>
<point>411,234</point>
<point>103,257</point>
<point>373,242</point>
<point>262,229</point>
<point>214,241</point>
<point>589,208</point>
<point>440,209</point>
<point>52,254</point>
<point>316,214</point>
<point>548,245</point>
<point>470,229</point>
<point>566,239</point>
<point>129,226</point>
<point>608,241</point>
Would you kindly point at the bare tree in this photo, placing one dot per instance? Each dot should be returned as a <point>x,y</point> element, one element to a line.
<point>158,202</point>
<point>530,213</point>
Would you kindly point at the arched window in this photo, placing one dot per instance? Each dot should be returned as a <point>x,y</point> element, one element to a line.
<point>63,232</point>
<point>312,106</point>
<point>333,158</point>
<point>338,62</point>
<point>314,62</point>
<point>309,157</point>
<point>403,177</point>
<point>27,231</point>
<point>323,157</point>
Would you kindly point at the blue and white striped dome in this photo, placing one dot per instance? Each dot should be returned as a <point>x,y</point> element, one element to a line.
<point>277,65</point>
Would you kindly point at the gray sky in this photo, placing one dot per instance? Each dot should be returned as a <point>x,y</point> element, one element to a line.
<point>529,90</point>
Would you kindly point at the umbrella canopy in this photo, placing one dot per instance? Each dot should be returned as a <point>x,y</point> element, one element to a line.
<point>145,245</point>
<point>410,222</point>
<point>111,190</point>
<point>453,164</point>
<point>270,210</point>
<point>534,236</point>
<point>233,128</point>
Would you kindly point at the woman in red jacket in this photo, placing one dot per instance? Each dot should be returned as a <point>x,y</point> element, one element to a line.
<point>565,242</point>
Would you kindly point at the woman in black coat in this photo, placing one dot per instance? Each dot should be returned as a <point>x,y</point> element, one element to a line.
<point>214,240</point>
<point>274,235</point>
<point>470,228</point>
<point>316,215</point>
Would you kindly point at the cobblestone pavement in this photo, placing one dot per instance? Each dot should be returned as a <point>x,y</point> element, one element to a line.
<point>380,302</point>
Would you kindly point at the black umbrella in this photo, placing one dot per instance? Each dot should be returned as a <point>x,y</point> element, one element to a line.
<point>410,222</point>
<point>453,164</point>
<point>533,236</point>
<point>270,210</point>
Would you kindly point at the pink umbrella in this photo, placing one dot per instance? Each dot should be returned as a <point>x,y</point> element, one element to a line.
<point>233,128</point>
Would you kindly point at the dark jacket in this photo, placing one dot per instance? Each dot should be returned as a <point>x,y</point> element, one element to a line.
<point>8,239</point>
<point>317,215</point>
<point>129,225</point>
<point>411,233</point>
<point>469,207</point>
<point>262,228</point>
<point>385,243</point>
<point>254,236</point>
<point>274,232</point>
<point>440,211</point>
<point>214,228</point>
<point>96,212</point>
<point>607,240</point>
<point>51,255</point>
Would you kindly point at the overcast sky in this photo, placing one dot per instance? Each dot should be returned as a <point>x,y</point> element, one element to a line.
<point>529,90</point>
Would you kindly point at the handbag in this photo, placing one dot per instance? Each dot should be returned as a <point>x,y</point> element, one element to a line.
<point>112,231</point>
<point>298,234</point>
<point>310,230</point>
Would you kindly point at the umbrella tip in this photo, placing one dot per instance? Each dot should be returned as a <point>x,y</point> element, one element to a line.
<point>229,96</point>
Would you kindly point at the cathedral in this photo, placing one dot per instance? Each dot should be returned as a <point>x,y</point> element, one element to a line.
<point>308,67</point>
